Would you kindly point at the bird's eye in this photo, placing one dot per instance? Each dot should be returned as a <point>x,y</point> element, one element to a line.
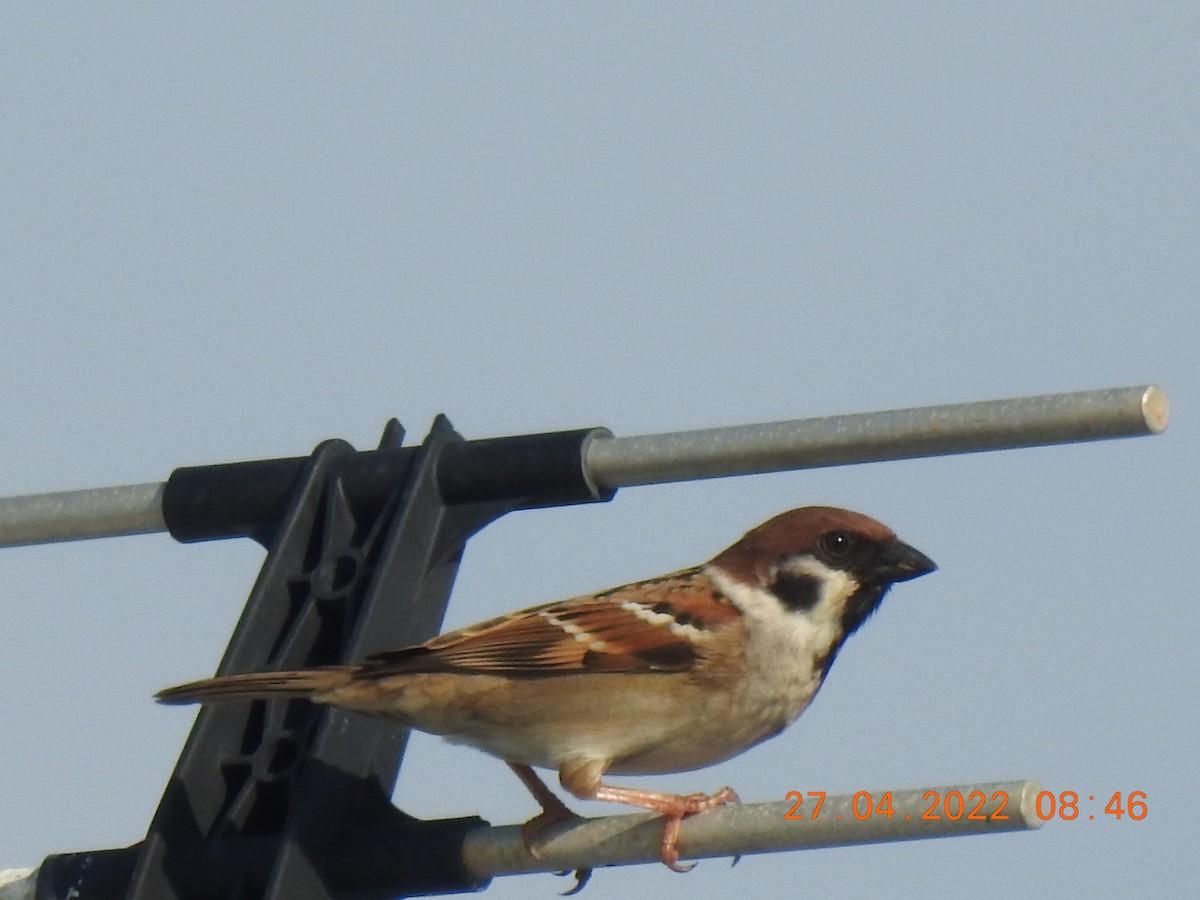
<point>837,543</point>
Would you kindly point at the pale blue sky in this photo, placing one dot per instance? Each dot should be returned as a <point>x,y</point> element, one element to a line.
<point>231,232</point>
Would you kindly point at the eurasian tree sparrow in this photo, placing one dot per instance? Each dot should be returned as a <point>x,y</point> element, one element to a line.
<point>664,675</point>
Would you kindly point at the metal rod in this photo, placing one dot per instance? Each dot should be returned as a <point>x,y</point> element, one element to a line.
<point>18,884</point>
<point>76,515</point>
<point>763,828</point>
<point>733,830</point>
<point>614,462</point>
<point>875,436</point>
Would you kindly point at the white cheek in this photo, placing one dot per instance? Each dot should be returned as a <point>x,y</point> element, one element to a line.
<point>811,631</point>
<point>784,648</point>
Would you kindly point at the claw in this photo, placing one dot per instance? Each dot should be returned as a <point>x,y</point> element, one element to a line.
<point>735,799</point>
<point>581,879</point>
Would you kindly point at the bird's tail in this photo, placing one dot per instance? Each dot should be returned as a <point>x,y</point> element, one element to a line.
<point>257,686</point>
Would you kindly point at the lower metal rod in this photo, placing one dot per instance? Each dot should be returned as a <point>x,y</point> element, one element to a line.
<point>861,818</point>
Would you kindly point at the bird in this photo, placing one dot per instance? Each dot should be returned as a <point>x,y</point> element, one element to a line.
<point>668,674</point>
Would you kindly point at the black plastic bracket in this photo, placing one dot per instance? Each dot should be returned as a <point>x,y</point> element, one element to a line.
<point>250,499</point>
<point>285,800</point>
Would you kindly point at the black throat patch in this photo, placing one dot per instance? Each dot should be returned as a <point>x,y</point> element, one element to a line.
<point>860,606</point>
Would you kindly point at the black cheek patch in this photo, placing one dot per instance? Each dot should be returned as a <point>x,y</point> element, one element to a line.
<point>797,592</point>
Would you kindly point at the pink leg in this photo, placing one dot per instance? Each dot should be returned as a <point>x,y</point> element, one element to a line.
<point>553,809</point>
<point>553,812</point>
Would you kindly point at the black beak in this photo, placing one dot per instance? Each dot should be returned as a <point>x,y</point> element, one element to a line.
<point>900,562</point>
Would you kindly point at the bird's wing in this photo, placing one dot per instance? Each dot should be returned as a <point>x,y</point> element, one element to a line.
<point>649,626</point>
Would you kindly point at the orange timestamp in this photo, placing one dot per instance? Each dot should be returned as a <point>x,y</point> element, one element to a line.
<point>1067,806</point>
<point>954,805</point>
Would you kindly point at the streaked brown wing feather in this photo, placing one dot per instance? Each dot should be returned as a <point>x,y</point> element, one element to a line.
<point>626,629</point>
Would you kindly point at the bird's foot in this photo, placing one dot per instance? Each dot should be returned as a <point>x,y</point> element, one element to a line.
<point>675,808</point>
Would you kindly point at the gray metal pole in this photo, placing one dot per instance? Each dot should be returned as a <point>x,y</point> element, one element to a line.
<point>615,462</point>
<point>875,436</point>
<point>733,830</point>
<point>18,884</point>
<point>76,515</point>
<point>762,828</point>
